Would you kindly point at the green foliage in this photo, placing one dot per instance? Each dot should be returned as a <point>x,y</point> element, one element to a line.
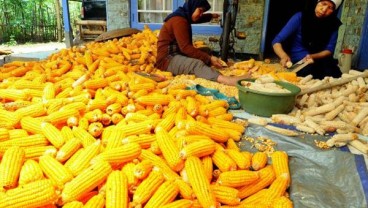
<point>12,41</point>
<point>31,20</point>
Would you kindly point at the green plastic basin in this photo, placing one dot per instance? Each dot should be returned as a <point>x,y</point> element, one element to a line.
<point>264,103</point>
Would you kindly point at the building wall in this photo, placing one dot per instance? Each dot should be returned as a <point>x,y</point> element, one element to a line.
<point>250,21</point>
<point>350,33</point>
<point>118,14</point>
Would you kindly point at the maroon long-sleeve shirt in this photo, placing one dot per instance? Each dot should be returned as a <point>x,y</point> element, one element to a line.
<point>176,38</point>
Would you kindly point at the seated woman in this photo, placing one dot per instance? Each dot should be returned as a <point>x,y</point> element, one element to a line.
<point>313,35</point>
<point>175,50</point>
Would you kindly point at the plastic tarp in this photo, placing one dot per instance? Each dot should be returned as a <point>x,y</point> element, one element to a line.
<point>333,178</point>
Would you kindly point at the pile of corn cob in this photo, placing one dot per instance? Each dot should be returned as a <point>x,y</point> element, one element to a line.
<point>260,68</point>
<point>117,139</point>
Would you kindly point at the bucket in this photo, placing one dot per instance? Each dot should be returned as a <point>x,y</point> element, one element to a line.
<point>345,60</point>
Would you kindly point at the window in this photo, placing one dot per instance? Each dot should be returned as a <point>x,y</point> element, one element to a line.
<point>153,13</point>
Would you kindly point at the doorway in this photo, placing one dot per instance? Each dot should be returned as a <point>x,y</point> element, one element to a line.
<point>279,12</point>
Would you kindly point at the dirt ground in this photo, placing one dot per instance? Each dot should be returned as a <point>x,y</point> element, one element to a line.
<point>27,48</point>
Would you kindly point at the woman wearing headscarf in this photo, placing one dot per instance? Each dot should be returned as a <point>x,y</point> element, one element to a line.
<point>175,50</point>
<point>313,35</point>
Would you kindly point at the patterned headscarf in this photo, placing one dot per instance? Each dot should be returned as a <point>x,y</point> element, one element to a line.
<point>188,9</point>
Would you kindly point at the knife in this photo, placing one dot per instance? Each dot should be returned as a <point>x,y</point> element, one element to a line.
<point>155,77</point>
<point>300,65</point>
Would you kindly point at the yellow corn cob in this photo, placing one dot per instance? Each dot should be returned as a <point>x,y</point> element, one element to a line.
<point>199,128</point>
<point>142,169</point>
<point>136,117</point>
<point>117,190</point>
<point>83,123</point>
<point>128,170</point>
<point>237,178</point>
<point>168,122</point>
<point>121,154</point>
<point>226,195</point>
<point>96,83</point>
<point>182,203</point>
<point>10,166</point>
<point>149,86</point>
<point>48,91</point>
<point>61,116</point>
<point>226,116</point>
<point>115,138</point>
<point>73,204</point>
<point>192,106</point>
<point>165,194</point>
<point>30,172</point>
<point>226,124</point>
<point>223,161</point>
<point>144,140</point>
<point>155,148</point>
<point>34,110</point>
<point>27,84</point>
<point>105,119</point>
<point>216,104</point>
<point>17,133</point>
<point>68,149</point>
<point>10,118</point>
<point>261,199</point>
<point>153,99</point>
<point>79,106</point>
<point>32,140</point>
<point>160,163</point>
<point>148,187</point>
<point>279,185</point>
<point>89,179</point>
<point>13,94</point>
<point>199,182</point>
<point>83,160</point>
<point>181,115</point>
<point>231,144</point>
<point>4,134</point>
<point>266,177</point>
<point>52,134</point>
<point>72,121</point>
<point>200,149</point>
<point>282,202</point>
<point>32,125</point>
<point>233,134</point>
<point>95,129</point>
<point>34,152</point>
<point>242,161</point>
<point>186,191</point>
<point>67,133</point>
<point>64,93</point>
<point>35,194</point>
<point>173,107</point>
<point>54,170</point>
<point>143,127</point>
<point>217,112</point>
<point>208,166</point>
<point>259,160</point>
<point>113,108</point>
<point>97,201</point>
<point>54,105</point>
<point>169,149</point>
<point>81,134</point>
<point>280,163</point>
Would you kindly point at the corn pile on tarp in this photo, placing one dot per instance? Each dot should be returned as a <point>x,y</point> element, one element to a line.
<point>82,129</point>
<point>320,178</point>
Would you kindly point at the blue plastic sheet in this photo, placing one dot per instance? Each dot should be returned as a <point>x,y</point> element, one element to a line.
<point>333,178</point>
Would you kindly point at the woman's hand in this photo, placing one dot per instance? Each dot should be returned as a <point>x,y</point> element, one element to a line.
<point>215,16</point>
<point>216,62</point>
<point>284,60</point>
